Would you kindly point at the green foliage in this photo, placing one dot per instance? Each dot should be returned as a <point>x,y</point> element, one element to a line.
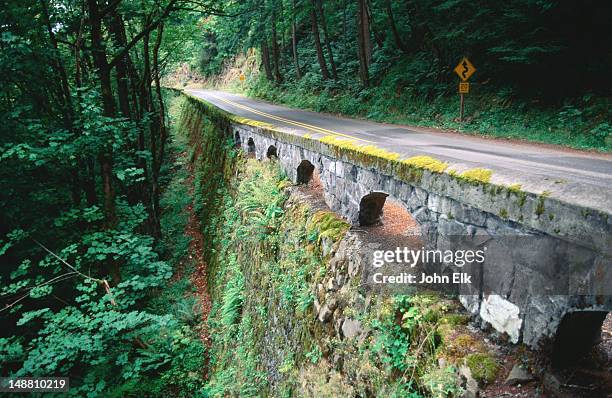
<point>483,367</point>
<point>442,383</point>
<point>62,320</point>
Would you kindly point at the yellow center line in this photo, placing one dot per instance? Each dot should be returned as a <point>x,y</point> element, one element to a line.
<point>288,121</point>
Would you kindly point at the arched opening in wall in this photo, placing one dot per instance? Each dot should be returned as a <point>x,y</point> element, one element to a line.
<point>309,183</point>
<point>578,334</point>
<point>304,172</point>
<point>237,140</point>
<point>388,222</point>
<point>371,209</point>
<point>272,152</point>
<point>251,147</point>
<point>582,356</point>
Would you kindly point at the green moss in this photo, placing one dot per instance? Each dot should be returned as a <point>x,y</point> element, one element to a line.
<point>484,368</point>
<point>514,188</point>
<point>476,176</point>
<point>455,319</point>
<point>427,163</point>
<point>503,213</point>
<point>365,154</point>
<point>326,224</point>
<point>539,210</point>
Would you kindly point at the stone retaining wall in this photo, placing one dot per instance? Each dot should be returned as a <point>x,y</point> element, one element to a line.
<point>523,306</point>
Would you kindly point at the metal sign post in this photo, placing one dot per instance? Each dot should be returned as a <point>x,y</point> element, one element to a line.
<point>464,70</point>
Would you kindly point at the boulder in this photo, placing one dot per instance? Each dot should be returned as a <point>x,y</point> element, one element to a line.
<point>351,328</point>
<point>518,375</point>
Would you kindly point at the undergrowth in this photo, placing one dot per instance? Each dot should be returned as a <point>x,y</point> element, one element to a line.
<point>265,253</point>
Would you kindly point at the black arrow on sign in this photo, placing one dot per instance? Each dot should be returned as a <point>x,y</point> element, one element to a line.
<point>465,69</point>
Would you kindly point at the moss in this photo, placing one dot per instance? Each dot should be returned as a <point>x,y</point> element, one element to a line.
<point>455,319</point>
<point>326,224</point>
<point>503,213</point>
<point>427,163</point>
<point>540,206</point>
<point>484,368</point>
<point>551,216</point>
<point>368,154</point>
<point>456,345</point>
<point>476,176</point>
<point>522,198</point>
<point>514,188</point>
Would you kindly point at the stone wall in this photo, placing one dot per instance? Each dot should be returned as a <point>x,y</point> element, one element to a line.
<point>524,311</point>
<point>523,306</point>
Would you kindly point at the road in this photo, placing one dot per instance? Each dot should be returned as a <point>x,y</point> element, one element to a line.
<point>582,173</point>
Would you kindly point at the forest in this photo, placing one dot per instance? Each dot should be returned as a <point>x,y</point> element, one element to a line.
<point>542,66</point>
<point>95,177</point>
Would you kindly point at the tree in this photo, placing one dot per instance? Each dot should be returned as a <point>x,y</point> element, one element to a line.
<point>317,41</point>
<point>363,42</point>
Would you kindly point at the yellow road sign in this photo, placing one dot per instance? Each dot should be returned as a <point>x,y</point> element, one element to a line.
<point>242,77</point>
<point>464,88</point>
<point>465,69</point>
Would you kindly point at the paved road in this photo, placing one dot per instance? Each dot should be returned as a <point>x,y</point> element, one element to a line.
<point>585,172</point>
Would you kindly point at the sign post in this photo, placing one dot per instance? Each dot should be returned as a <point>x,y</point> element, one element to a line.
<point>464,70</point>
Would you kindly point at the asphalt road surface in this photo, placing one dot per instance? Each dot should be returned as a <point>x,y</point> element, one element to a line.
<point>546,165</point>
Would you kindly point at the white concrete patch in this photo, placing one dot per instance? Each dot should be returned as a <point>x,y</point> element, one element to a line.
<point>502,315</point>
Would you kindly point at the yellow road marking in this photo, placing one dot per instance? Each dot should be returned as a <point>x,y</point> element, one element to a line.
<point>288,121</point>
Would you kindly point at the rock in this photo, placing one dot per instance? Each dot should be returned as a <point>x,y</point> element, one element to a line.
<point>503,315</point>
<point>553,386</point>
<point>325,314</point>
<point>351,328</point>
<point>330,285</point>
<point>518,375</point>
<point>332,303</point>
<point>471,385</point>
<point>320,292</point>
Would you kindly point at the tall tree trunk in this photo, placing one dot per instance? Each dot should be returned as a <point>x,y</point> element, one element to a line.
<point>330,54</point>
<point>158,150</point>
<point>59,70</point>
<point>396,36</point>
<point>378,37</point>
<point>275,50</point>
<point>296,61</point>
<point>105,156</point>
<point>117,29</point>
<point>265,59</point>
<point>317,41</point>
<point>143,193</point>
<point>363,38</point>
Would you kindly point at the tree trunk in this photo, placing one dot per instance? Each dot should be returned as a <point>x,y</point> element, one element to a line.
<point>60,70</point>
<point>396,36</point>
<point>363,38</point>
<point>158,150</point>
<point>317,42</point>
<point>265,60</point>
<point>319,4</point>
<point>298,72</point>
<point>275,51</point>
<point>117,29</point>
<point>105,156</point>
